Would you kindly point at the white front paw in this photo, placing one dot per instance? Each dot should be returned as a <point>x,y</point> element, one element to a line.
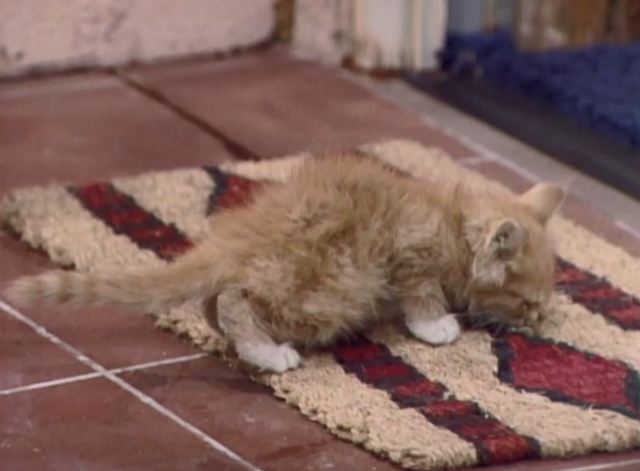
<point>269,357</point>
<point>436,332</point>
<point>284,358</point>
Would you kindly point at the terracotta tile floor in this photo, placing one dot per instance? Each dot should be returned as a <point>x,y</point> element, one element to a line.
<point>105,390</point>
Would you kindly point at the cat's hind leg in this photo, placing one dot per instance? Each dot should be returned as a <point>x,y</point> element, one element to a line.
<point>253,345</point>
<point>426,316</point>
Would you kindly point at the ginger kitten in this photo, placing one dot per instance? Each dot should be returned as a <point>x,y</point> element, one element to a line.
<point>310,261</point>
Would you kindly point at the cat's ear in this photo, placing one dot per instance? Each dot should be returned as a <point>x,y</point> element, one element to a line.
<point>506,239</point>
<point>543,200</point>
<point>503,242</point>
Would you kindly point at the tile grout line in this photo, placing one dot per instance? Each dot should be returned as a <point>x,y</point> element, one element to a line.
<point>149,401</point>
<point>87,376</point>
<point>235,148</point>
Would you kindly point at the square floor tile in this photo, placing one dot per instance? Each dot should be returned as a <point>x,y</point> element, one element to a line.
<point>95,425</point>
<point>276,105</point>
<point>113,337</point>
<point>27,358</point>
<point>90,127</point>
<point>248,419</point>
<point>84,128</point>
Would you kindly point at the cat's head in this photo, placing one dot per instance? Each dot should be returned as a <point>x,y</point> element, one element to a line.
<point>512,272</point>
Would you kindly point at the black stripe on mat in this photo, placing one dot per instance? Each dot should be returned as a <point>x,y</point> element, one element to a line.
<point>229,190</point>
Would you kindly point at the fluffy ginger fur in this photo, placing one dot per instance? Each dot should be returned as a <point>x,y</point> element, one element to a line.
<point>310,261</point>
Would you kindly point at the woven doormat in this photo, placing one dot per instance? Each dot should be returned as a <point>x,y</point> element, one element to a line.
<point>486,399</point>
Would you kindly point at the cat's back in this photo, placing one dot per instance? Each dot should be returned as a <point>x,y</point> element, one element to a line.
<point>332,226</point>
<point>344,181</point>
<point>336,199</point>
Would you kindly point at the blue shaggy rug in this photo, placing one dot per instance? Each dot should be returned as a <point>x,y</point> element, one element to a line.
<point>598,85</point>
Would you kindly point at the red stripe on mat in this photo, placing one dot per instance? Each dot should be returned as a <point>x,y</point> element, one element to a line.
<point>598,295</point>
<point>566,374</point>
<point>126,217</point>
<point>375,365</point>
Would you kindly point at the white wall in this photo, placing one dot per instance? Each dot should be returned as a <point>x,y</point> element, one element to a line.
<point>58,34</point>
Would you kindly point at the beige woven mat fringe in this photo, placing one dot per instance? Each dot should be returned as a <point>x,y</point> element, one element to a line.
<point>504,423</point>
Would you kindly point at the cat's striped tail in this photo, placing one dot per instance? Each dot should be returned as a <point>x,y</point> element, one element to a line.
<point>151,290</point>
